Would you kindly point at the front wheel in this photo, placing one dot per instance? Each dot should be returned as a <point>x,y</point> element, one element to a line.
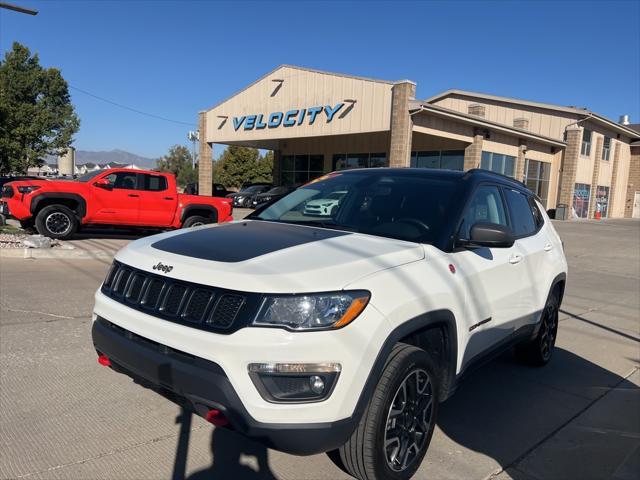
<point>396,428</point>
<point>195,221</point>
<point>56,221</point>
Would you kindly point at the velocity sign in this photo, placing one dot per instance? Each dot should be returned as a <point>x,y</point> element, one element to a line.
<point>289,119</point>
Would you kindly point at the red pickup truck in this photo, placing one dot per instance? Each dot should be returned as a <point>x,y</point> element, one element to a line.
<point>114,197</point>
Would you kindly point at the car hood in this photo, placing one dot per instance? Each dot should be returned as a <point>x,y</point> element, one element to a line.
<point>269,257</point>
<point>322,201</point>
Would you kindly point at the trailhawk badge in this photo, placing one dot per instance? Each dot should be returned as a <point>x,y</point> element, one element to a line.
<point>162,267</point>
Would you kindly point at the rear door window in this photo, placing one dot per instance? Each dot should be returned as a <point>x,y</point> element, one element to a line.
<point>154,183</point>
<point>520,213</point>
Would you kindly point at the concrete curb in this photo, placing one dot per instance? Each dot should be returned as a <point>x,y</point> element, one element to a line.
<point>55,253</point>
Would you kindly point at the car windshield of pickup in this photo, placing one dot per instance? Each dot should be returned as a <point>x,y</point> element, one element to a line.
<point>406,207</point>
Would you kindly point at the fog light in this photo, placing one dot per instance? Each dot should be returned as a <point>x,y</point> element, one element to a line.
<point>317,384</point>
<point>294,382</point>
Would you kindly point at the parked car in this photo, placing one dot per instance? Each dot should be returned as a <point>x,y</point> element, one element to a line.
<point>339,335</point>
<point>243,198</point>
<point>325,207</point>
<point>272,195</point>
<point>217,189</point>
<point>115,197</point>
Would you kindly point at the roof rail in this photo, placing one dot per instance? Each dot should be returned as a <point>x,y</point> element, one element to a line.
<point>491,172</point>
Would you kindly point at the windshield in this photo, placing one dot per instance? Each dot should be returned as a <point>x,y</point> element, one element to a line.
<point>278,191</point>
<point>406,207</point>
<point>88,176</point>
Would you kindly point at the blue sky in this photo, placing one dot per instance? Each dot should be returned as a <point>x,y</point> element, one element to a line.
<point>174,58</point>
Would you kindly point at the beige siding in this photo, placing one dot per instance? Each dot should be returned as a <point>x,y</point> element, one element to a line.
<point>542,122</point>
<point>303,89</point>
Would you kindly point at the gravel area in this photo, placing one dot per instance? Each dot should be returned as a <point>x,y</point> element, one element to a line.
<point>12,240</point>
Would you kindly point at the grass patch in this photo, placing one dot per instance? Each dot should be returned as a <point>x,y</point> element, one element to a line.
<point>11,229</point>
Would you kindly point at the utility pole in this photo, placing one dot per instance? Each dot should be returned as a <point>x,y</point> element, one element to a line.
<point>16,8</point>
<point>193,136</point>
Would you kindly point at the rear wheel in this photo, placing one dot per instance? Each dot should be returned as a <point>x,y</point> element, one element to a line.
<point>538,351</point>
<point>396,428</point>
<point>195,221</point>
<point>56,221</point>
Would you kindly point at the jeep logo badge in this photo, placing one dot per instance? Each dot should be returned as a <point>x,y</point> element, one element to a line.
<point>162,267</point>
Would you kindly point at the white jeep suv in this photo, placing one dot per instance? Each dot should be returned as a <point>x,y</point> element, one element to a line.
<point>339,334</point>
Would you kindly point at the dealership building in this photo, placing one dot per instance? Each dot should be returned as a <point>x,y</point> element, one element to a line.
<point>317,122</point>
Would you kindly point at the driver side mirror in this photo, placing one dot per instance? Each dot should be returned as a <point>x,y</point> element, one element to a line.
<point>490,235</point>
<point>103,183</point>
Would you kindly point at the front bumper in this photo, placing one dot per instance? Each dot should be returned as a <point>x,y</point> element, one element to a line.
<point>200,385</point>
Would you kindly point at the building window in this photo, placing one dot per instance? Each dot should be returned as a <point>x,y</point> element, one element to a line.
<point>602,201</point>
<point>581,195</point>
<point>448,159</point>
<point>585,149</point>
<point>606,148</point>
<point>536,178</point>
<point>299,169</point>
<point>345,161</point>
<point>496,162</point>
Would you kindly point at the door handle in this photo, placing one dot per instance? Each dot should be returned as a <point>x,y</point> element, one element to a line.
<point>168,198</point>
<point>515,258</point>
<point>133,195</point>
<point>548,247</point>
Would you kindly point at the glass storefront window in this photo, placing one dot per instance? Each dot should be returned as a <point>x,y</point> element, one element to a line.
<point>496,162</point>
<point>299,169</point>
<point>536,178</point>
<point>602,201</point>
<point>449,159</point>
<point>581,195</point>
<point>359,160</point>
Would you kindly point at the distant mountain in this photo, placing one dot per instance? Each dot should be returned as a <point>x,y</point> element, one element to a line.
<point>117,156</point>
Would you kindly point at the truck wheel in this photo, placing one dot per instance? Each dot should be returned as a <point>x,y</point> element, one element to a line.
<point>537,352</point>
<point>396,428</point>
<point>56,221</point>
<point>195,221</point>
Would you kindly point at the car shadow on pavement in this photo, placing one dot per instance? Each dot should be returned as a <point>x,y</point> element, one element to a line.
<point>505,410</point>
<point>234,456</point>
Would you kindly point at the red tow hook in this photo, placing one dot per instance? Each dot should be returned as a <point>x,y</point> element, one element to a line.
<point>104,360</point>
<point>217,418</point>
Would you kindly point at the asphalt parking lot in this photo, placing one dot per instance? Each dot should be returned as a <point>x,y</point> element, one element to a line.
<point>64,416</point>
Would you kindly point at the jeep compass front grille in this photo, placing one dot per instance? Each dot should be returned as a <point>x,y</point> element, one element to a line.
<point>198,306</point>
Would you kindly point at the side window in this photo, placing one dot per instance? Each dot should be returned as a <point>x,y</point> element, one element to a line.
<point>537,215</point>
<point>154,183</point>
<point>123,180</point>
<point>520,212</point>
<point>486,206</point>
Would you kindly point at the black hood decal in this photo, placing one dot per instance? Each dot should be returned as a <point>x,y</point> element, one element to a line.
<point>237,242</point>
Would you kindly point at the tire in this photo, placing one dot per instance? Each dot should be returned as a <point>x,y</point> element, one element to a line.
<point>56,221</point>
<point>195,221</point>
<point>408,379</point>
<point>538,352</point>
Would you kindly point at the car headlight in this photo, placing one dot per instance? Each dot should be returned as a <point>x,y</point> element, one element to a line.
<point>312,311</point>
<point>239,199</point>
<point>28,188</point>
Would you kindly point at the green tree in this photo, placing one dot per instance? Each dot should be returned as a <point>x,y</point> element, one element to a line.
<point>36,114</point>
<point>178,161</point>
<point>239,165</point>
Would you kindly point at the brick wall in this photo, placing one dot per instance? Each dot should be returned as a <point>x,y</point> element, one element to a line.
<point>614,177</point>
<point>205,167</point>
<point>633,184</point>
<point>473,152</point>
<point>570,166</point>
<point>401,124</point>
<point>594,178</point>
<point>520,161</point>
